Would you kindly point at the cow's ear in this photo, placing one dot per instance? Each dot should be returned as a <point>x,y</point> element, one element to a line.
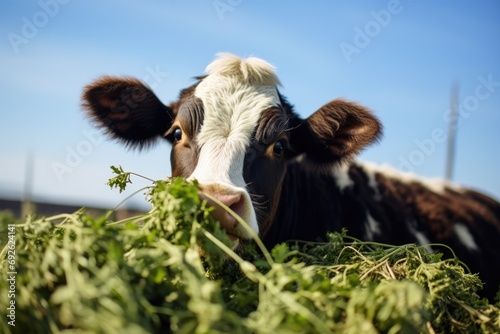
<point>127,109</point>
<point>335,132</point>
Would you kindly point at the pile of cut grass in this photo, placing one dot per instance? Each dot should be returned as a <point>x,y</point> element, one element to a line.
<point>147,274</point>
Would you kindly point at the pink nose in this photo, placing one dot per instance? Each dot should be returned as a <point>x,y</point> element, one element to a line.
<point>235,201</point>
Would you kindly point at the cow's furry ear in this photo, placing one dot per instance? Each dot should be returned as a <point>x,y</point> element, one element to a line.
<point>127,109</point>
<point>335,132</point>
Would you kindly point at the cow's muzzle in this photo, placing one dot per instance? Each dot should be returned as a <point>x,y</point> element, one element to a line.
<point>237,201</point>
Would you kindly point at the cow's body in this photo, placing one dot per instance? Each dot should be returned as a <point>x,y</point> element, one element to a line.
<point>293,178</point>
<point>379,204</point>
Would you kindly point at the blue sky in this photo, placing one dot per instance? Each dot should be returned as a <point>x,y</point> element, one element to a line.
<point>399,58</point>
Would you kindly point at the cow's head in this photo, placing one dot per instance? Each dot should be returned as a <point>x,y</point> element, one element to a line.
<point>233,132</point>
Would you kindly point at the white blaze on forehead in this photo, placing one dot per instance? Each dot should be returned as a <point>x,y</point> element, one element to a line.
<point>234,93</point>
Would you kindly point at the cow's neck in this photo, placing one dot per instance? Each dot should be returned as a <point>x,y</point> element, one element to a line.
<point>309,206</point>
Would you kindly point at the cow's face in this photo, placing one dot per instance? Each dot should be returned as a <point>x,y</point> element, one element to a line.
<point>234,133</point>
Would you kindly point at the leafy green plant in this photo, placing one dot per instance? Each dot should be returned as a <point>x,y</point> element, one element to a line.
<point>172,269</point>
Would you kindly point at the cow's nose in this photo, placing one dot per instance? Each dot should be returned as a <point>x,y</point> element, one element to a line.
<point>235,201</point>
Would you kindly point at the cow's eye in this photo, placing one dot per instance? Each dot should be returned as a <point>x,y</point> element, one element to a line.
<point>177,134</point>
<point>279,147</point>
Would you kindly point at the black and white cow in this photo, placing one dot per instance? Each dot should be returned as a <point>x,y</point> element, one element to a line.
<point>293,178</point>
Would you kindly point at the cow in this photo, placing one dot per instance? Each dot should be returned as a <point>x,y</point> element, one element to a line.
<point>294,178</point>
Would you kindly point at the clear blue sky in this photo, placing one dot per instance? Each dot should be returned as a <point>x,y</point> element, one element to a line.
<point>397,58</point>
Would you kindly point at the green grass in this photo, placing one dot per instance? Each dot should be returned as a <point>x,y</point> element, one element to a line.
<point>78,274</point>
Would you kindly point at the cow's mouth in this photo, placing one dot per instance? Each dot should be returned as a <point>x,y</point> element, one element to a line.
<point>230,207</point>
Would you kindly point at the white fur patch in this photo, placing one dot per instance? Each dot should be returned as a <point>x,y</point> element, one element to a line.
<point>372,181</point>
<point>234,95</point>
<point>422,239</point>
<point>434,184</point>
<point>341,175</point>
<point>372,227</point>
<point>465,236</point>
